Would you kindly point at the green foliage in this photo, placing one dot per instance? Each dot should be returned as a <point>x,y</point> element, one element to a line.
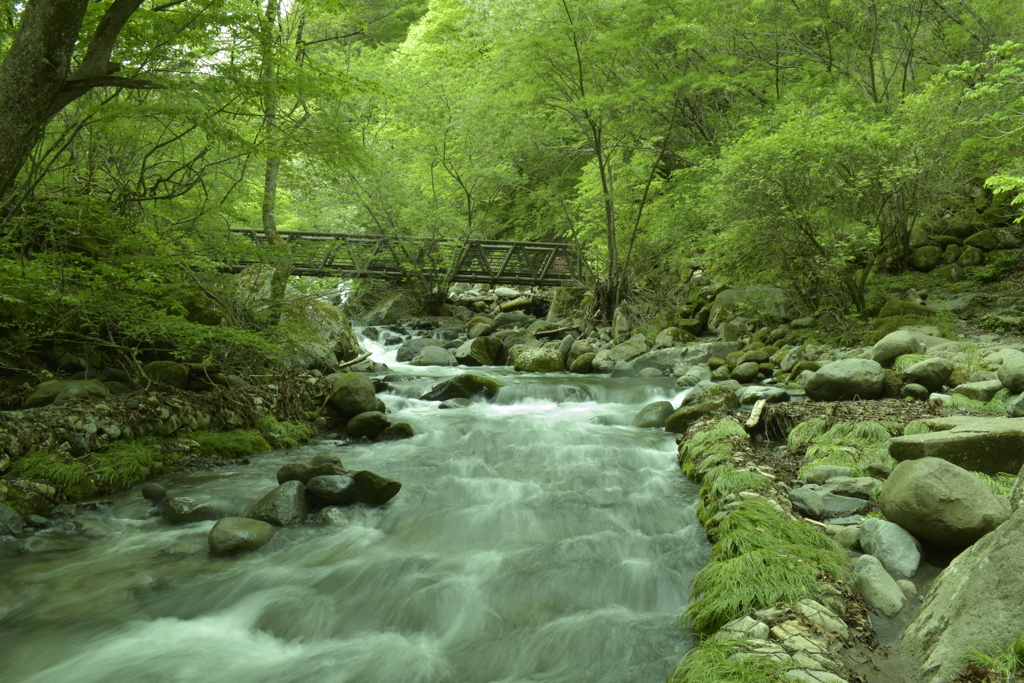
<point>905,361</point>
<point>287,434</point>
<point>1005,663</point>
<point>237,443</point>
<point>715,661</point>
<point>760,561</point>
<point>118,466</point>
<point>719,482</point>
<point>1001,484</point>
<point>847,444</point>
<point>996,405</point>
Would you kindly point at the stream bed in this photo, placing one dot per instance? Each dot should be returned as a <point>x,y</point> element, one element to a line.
<point>537,537</point>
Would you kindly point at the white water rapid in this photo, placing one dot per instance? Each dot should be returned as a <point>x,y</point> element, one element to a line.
<point>537,537</point>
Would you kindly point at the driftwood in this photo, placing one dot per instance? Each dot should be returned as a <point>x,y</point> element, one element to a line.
<point>548,333</point>
<point>354,361</point>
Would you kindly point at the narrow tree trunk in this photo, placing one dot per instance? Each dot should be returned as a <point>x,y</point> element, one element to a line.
<point>268,77</point>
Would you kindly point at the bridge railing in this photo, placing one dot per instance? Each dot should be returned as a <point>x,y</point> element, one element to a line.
<point>396,258</point>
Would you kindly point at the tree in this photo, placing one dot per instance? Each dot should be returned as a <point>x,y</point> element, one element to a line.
<point>36,75</point>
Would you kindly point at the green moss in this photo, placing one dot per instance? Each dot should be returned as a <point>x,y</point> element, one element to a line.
<point>716,662</point>
<point>758,562</point>
<point>125,463</point>
<point>286,434</point>
<point>849,445</point>
<point>62,471</point>
<point>899,307</point>
<point>883,326</point>
<point>118,466</point>
<point>721,481</point>
<point>237,443</point>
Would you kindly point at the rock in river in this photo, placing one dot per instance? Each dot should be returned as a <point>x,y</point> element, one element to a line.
<point>349,489</point>
<point>284,506</point>
<point>239,534</point>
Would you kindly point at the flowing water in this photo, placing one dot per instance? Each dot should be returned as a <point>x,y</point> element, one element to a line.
<point>537,537</point>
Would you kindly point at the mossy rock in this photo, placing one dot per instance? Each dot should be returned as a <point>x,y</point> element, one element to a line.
<point>167,372</point>
<point>463,386</point>
<point>895,307</point>
<point>714,363</point>
<point>715,399</point>
<point>398,430</point>
<point>733,359</point>
<point>766,369</point>
<point>353,393</point>
<point>584,364</point>
<point>58,391</point>
<point>893,384</point>
<point>951,273</point>
<point>946,241</point>
<point>926,258</point>
<point>801,367</point>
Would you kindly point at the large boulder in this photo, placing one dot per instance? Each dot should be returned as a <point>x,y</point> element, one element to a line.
<point>189,509</point>
<point>662,359</point>
<point>512,319</point>
<point>463,386</point>
<point>583,364</point>
<point>167,372</point>
<point>847,379</point>
<point>353,393</point>
<point>434,355</point>
<point>976,602</point>
<point>409,350</point>
<point>302,472</point>
<point>931,373</point>
<point>878,588</point>
<point>894,546</point>
<point>579,348</point>
<point>57,391</point>
<point>319,335</point>
<point>538,359</point>
<point>239,534</point>
<point>895,344</point>
<point>1011,371</point>
<point>982,391</point>
<point>653,415</point>
<point>363,487</point>
<point>673,336</point>
<point>941,503</point>
<point>980,444</point>
<point>479,351</point>
<point>369,424</point>
<point>711,399</point>
<point>626,351</point>
<point>284,506</point>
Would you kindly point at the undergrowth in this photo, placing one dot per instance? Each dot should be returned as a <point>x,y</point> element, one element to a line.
<point>717,662</point>
<point>845,444</point>
<point>1006,664</point>
<point>760,559</point>
<point>287,434</point>
<point>118,466</point>
<point>237,443</point>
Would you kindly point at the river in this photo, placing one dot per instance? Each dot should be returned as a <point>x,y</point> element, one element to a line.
<point>538,537</point>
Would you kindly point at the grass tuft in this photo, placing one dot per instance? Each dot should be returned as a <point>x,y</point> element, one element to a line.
<point>1005,663</point>
<point>760,559</point>
<point>916,427</point>
<point>905,361</point>
<point>806,432</point>
<point>722,661</point>
<point>1001,484</point>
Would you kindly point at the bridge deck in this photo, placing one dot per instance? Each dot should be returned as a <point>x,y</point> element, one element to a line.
<point>331,254</point>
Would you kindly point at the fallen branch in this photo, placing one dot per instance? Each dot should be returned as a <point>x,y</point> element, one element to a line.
<point>355,361</point>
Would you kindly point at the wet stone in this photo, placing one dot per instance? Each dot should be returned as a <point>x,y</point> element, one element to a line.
<point>153,492</point>
<point>239,534</point>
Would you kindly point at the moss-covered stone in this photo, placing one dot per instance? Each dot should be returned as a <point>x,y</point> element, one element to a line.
<point>463,386</point>
<point>715,363</point>
<point>899,307</point>
<point>353,393</point>
<point>167,372</point>
<point>927,258</point>
<point>583,364</point>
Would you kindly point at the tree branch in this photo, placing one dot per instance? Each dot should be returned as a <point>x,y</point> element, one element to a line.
<point>79,85</point>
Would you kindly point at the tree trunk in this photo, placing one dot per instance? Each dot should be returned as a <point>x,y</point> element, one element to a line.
<point>268,76</point>
<point>32,75</point>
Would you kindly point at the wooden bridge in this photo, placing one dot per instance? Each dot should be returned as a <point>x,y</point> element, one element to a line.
<point>331,254</point>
